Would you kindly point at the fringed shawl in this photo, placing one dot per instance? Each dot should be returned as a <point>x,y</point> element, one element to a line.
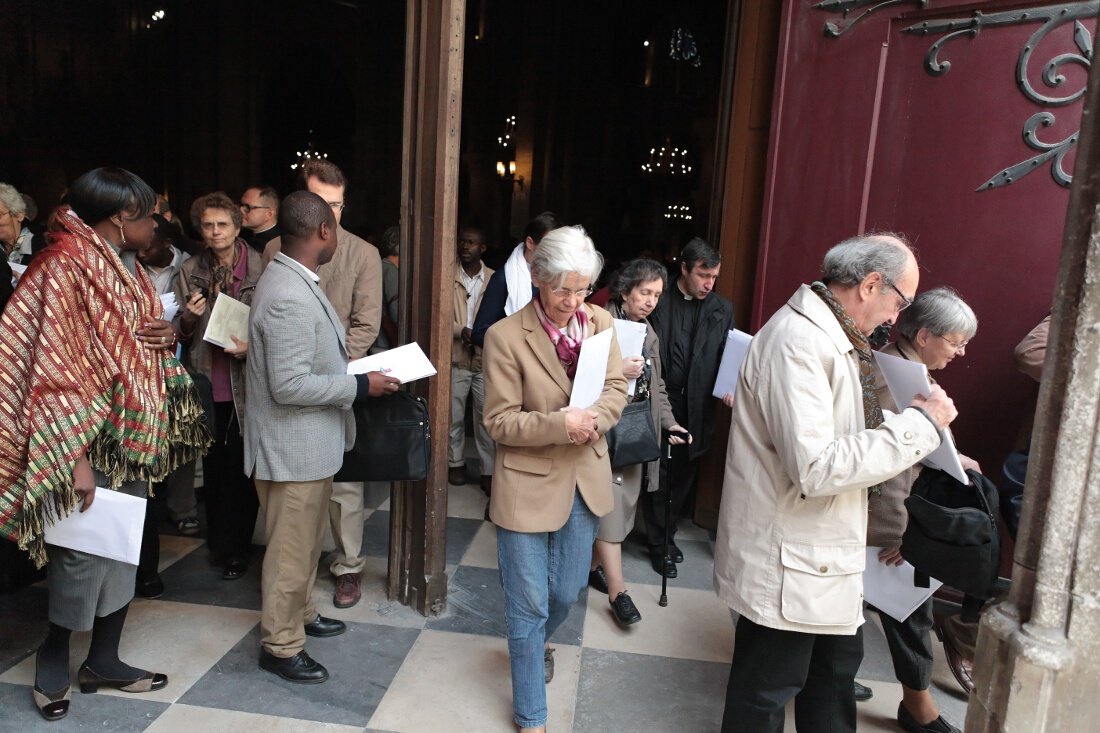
<point>74,379</point>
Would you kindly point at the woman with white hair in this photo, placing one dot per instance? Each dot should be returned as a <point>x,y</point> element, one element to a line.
<point>552,476</point>
<point>933,331</point>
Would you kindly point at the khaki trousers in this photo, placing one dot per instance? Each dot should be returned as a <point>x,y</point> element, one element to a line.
<point>295,523</point>
<point>346,515</point>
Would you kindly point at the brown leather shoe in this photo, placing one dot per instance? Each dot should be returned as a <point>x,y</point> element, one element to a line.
<point>347,590</point>
<point>487,484</point>
<point>456,475</point>
<point>960,666</point>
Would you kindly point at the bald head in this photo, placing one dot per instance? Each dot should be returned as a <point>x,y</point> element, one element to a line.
<point>308,227</point>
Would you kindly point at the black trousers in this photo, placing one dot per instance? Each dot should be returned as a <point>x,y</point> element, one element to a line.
<point>910,643</point>
<point>156,508</point>
<point>230,495</point>
<point>771,666</point>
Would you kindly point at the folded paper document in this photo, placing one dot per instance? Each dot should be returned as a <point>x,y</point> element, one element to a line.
<point>110,528</point>
<point>228,318</point>
<point>406,363</point>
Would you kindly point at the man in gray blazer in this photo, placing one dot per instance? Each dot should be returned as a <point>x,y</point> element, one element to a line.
<point>297,427</point>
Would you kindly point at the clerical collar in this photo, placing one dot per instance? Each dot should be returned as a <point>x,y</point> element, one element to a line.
<point>682,293</point>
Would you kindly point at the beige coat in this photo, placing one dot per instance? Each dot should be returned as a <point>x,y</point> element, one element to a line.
<point>793,523</point>
<point>352,281</point>
<point>537,469</point>
<point>465,356</point>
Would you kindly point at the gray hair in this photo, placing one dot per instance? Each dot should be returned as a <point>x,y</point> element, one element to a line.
<point>633,274</point>
<point>941,311</point>
<point>565,250</point>
<point>11,198</point>
<point>849,262</point>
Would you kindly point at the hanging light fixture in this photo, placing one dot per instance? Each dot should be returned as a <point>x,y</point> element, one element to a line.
<point>310,153</point>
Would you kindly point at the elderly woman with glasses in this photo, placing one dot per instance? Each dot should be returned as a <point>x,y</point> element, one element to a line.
<point>933,330</point>
<point>552,477</point>
<point>635,290</point>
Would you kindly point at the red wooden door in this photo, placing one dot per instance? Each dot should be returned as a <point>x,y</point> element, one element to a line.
<point>953,123</point>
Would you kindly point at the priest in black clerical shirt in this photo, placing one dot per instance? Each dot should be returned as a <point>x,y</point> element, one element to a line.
<point>691,321</point>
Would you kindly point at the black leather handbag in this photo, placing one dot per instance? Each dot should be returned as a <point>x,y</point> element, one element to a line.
<point>393,440</point>
<point>952,531</point>
<point>633,440</point>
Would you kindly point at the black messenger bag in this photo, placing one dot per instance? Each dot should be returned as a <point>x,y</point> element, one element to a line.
<point>393,440</point>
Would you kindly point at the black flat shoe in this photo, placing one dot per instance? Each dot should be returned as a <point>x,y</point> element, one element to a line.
<point>91,682</point>
<point>626,613</point>
<point>300,668</point>
<point>149,588</point>
<point>597,579</point>
<point>235,568</point>
<point>939,725</point>
<point>662,564</point>
<point>863,692</point>
<point>322,627</point>
<point>675,553</point>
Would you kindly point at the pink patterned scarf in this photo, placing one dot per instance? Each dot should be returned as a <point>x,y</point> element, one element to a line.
<point>567,343</point>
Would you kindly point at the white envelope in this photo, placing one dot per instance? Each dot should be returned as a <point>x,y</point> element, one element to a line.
<point>406,363</point>
<point>890,589</point>
<point>110,528</point>
<point>591,369</point>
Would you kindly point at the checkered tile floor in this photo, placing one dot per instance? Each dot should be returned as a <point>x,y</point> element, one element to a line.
<point>397,671</point>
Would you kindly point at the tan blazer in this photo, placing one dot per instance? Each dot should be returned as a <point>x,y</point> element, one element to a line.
<point>537,468</point>
<point>352,282</point>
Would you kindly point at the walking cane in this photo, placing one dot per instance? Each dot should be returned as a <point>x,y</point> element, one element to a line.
<point>668,518</point>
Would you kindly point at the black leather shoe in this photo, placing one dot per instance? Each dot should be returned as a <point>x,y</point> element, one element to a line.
<point>52,705</point>
<point>150,588</point>
<point>662,564</point>
<point>235,568</point>
<point>626,613</point>
<point>939,725</point>
<point>300,668</point>
<point>674,552</point>
<point>863,692</point>
<point>322,627</point>
<point>597,580</point>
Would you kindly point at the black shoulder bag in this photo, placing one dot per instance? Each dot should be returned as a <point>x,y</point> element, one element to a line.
<point>952,531</point>
<point>633,439</point>
<point>393,440</point>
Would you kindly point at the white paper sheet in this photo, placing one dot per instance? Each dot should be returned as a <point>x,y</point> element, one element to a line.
<point>631,335</point>
<point>229,318</point>
<point>17,271</point>
<point>171,306</point>
<point>737,345</point>
<point>890,589</point>
<point>407,363</point>
<point>110,528</point>
<point>591,369</point>
<point>907,379</point>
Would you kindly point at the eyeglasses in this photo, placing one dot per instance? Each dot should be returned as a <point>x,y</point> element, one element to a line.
<point>336,205</point>
<point>905,302</point>
<point>249,208</point>
<point>960,346</point>
<point>563,293</point>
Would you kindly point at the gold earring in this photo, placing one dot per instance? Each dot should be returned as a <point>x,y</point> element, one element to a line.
<point>122,232</point>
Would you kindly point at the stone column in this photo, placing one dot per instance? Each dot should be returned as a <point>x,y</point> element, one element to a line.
<point>1038,657</point>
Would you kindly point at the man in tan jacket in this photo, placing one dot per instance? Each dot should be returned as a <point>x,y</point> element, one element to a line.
<point>471,275</point>
<point>352,281</point>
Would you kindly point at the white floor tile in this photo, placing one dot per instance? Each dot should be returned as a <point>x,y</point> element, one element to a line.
<point>694,625</point>
<point>466,679</point>
<point>374,607</point>
<point>182,640</point>
<point>191,719</point>
<point>482,552</point>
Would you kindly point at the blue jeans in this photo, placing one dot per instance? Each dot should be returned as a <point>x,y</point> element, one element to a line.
<point>542,574</point>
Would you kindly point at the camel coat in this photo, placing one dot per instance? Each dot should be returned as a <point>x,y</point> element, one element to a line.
<point>537,469</point>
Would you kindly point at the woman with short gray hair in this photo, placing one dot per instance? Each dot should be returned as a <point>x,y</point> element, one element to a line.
<point>934,330</point>
<point>551,477</point>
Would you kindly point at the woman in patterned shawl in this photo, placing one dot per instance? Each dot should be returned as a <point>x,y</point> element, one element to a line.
<point>92,397</point>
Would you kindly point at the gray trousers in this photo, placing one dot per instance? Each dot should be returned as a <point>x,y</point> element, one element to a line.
<point>83,586</point>
<point>463,383</point>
